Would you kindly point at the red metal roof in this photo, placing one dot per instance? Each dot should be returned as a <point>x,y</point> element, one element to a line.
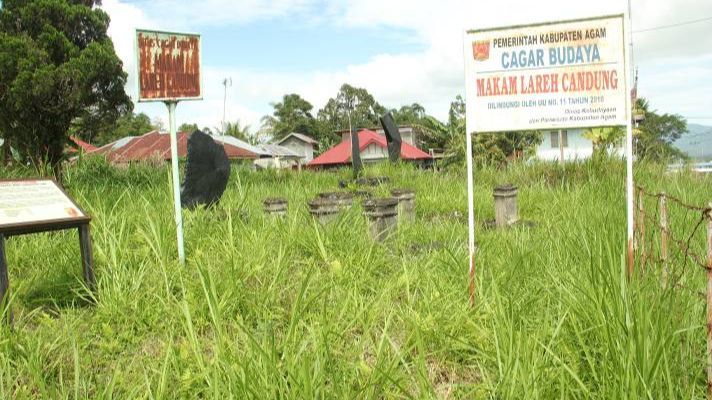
<point>155,145</point>
<point>86,147</point>
<point>341,153</point>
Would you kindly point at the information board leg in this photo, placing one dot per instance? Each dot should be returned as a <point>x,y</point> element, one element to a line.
<point>4,281</point>
<point>87,257</point>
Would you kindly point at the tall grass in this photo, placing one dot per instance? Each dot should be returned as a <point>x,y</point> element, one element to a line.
<point>290,309</point>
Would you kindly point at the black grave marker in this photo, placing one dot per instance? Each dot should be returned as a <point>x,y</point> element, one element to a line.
<point>393,137</point>
<point>355,153</point>
<point>206,172</point>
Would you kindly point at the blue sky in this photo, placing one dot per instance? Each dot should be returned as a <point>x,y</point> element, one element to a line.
<point>287,47</point>
<point>402,51</point>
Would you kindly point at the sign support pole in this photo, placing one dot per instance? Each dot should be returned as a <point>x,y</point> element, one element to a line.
<point>628,147</point>
<point>471,218</point>
<point>561,147</point>
<point>176,178</point>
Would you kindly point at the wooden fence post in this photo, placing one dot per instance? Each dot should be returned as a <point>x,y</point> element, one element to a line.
<point>709,302</point>
<point>664,237</point>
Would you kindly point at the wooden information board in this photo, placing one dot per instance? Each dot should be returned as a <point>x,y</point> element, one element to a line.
<point>40,205</point>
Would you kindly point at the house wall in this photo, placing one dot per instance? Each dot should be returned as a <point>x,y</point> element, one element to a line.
<point>407,133</point>
<point>300,147</point>
<point>373,153</point>
<point>577,148</point>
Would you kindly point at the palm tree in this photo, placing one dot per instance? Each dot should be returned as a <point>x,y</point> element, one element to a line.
<point>236,129</point>
<point>604,138</point>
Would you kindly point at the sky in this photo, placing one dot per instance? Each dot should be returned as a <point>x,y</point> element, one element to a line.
<point>401,51</point>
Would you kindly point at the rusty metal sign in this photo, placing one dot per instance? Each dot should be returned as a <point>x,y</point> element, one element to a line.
<point>168,66</point>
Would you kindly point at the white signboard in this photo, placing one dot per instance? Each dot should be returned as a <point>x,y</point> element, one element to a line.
<point>554,75</point>
<point>33,201</point>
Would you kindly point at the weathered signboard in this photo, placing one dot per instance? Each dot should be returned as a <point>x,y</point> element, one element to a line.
<point>168,66</point>
<point>569,74</point>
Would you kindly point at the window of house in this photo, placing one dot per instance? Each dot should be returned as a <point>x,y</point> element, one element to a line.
<point>555,139</point>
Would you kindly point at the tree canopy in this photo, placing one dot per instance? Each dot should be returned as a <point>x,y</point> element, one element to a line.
<point>58,67</point>
<point>292,114</point>
<point>351,104</point>
<point>655,135</point>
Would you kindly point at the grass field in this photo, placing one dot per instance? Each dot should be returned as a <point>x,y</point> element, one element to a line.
<point>290,309</point>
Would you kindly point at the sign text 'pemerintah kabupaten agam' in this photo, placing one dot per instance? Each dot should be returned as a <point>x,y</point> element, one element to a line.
<point>567,74</point>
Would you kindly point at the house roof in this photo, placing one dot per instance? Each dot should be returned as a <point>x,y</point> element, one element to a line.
<point>376,129</point>
<point>341,153</point>
<point>233,141</point>
<point>84,146</point>
<point>280,151</point>
<point>300,136</point>
<point>158,145</point>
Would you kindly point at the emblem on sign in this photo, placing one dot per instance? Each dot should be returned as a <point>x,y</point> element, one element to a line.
<point>480,50</point>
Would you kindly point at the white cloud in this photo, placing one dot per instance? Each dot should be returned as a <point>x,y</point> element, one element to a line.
<point>433,76</point>
<point>187,13</point>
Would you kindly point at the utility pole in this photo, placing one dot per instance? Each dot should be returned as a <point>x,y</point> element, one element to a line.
<point>226,82</point>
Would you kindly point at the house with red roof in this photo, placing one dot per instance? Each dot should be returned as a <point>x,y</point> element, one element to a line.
<point>156,146</point>
<point>82,145</point>
<point>373,148</point>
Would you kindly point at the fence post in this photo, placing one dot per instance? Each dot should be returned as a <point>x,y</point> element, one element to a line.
<point>709,301</point>
<point>641,229</point>
<point>664,237</point>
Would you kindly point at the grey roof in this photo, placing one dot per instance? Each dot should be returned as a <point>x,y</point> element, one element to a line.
<point>231,140</point>
<point>280,151</point>
<point>300,136</point>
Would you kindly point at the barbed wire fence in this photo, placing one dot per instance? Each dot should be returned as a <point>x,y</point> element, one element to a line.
<point>673,235</point>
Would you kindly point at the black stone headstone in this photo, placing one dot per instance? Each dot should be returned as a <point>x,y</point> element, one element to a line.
<point>393,137</point>
<point>355,153</point>
<point>206,172</point>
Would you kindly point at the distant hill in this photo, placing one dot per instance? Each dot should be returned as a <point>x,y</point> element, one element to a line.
<point>697,142</point>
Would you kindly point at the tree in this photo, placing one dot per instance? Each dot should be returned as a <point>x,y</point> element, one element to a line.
<point>487,148</point>
<point>604,138</point>
<point>129,124</point>
<point>413,114</point>
<point>58,66</point>
<point>236,129</point>
<point>158,124</point>
<point>351,104</point>
<point>186,127</point>
<point>292,114</point>
<point>657,132</point>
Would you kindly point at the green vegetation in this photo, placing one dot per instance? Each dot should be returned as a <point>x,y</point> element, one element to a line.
<point>59,69</point>
<point>657,132</point>
<point>289,309</point>
<point>129,124</point>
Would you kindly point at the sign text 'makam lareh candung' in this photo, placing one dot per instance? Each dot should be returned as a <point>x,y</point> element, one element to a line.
<point>168,66</point>
<point>569,74</point>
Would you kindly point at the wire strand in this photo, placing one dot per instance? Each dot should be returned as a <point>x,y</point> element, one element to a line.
<point>657,28</point>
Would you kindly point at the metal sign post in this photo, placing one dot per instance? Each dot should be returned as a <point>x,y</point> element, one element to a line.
<point>629,148</point>
<point>169,70</point>
<point>176,178</point>
<point>471,218</point>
